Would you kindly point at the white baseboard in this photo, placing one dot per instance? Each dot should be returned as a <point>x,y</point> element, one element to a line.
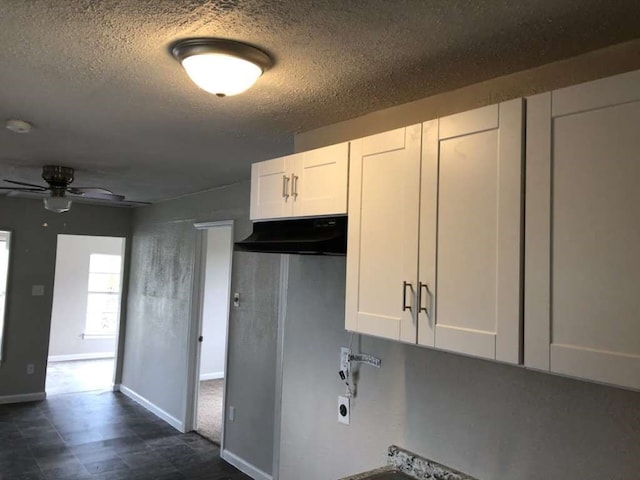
<point>211,376</point>
<point>80,356</point>
<point>26,397</point>
<point>243,466</point>
<point>170,419</point>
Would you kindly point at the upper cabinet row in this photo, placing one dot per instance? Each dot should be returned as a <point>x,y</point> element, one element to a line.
<point>312,183</point>
<point>448,249</point>
<point>434,247</point>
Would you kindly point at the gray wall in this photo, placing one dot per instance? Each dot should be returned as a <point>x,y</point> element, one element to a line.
<point>70,289</point>
<point>597,64</point>
<point>490,420</point>
<point>164,242</point>
<point>32,262</point>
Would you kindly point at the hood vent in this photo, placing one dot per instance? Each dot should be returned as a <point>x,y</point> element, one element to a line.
<point>307,236</point>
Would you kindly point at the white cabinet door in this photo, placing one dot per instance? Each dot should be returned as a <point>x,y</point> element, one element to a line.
<point>470,267</point>
<point>582,270</point>
<point>271,188</point>
<point>382,249</point>
<point>319,184</point>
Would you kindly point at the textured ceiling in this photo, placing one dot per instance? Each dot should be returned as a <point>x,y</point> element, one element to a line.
<point>105,97</point>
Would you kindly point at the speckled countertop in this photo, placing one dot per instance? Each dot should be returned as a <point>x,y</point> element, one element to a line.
<point>413,465</point>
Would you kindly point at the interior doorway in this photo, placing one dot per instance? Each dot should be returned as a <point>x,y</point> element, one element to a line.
<point>213,291</point>
<point>85,315</point>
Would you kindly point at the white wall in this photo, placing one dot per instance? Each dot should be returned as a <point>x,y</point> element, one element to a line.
<point>69,310</point>
<point>216,302</point>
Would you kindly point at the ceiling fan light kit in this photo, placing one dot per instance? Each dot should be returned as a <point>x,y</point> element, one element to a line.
<point>219,66</point>
<point>57,202</point>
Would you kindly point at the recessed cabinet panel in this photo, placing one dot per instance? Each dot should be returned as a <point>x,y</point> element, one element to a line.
<point>271,188</point>
<point>472,171</point>
<point>320,185</point>
<point>585,235</point>
<point>382,250</point>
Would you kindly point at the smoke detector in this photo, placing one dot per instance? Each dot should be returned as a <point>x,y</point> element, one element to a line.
<point>18,126</point>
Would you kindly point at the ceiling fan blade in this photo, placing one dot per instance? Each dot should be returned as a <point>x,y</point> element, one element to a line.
<point>85,190</point>
<point>23,189</point>
<point>99,195</point>
<point>40,187</point>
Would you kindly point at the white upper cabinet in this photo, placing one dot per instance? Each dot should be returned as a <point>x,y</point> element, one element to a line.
<point>434,251</point>
<point>382,245</point>
<point>470,264</point>
<point>312,183</point>
<point>582,307</point>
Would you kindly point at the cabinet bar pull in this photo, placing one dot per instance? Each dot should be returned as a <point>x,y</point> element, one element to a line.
<point>420,307</point>
<point>294,186</point>
<point>404,296</point>
<point>285,186</point>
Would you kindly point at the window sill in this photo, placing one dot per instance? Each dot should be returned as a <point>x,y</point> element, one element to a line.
<point>98,336</point>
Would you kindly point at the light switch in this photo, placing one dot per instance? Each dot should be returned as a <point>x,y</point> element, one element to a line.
<point>37,290</point>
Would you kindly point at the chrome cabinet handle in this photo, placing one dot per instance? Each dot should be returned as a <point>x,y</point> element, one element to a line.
<point>420,307</point>
<point>285,186</point>
<point>294,186</point>
<point>404,296</point>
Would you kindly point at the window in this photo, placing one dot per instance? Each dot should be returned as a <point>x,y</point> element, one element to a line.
<point>103,300</point>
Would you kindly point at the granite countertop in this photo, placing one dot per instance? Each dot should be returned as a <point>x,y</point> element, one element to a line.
<point>415,466</point>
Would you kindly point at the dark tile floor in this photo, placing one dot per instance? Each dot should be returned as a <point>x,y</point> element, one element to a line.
<point>101,436</point>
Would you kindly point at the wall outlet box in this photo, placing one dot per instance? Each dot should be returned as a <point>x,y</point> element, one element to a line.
<point>344,409</point>
<point>30,368</point>
<point>344,360</point>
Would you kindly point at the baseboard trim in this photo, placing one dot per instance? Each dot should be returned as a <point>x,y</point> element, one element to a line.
<point>243,466</point>
<point>25,397</point>
<point>170,419</point>
<point>80,356</point>
<point>115,387</point>
<point>212,376</point>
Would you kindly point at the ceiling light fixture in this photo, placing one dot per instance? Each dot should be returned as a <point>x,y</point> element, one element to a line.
<point>219,66</point>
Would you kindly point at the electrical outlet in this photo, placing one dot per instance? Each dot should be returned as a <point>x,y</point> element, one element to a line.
<point>232,413</point>
<point>344,409</point>
<point>236,299</point>
<point>344,360</point>
<point>30,368</point>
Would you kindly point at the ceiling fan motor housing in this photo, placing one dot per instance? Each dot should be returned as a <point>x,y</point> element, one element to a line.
<point>57,176</point>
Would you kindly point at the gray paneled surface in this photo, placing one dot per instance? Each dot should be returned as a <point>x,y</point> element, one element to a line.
<point>251,381</point>
<point>32,262</point>
<point>160,301</point>
<point>490,420</point>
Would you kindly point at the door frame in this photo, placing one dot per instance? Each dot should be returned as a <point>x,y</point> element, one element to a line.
<point>195,326</point>
<point>118,353</point>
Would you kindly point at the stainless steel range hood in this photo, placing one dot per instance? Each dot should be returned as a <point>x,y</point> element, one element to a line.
<point>307,236</point>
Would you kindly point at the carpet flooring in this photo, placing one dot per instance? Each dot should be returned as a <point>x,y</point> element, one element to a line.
<point>101,436</point>
<point>210,410</point>
<point>79,376</point>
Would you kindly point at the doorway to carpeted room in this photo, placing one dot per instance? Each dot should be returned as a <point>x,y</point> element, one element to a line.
<point>210,409</point>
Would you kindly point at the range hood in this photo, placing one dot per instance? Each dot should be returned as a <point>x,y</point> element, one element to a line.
<point>306,236</point>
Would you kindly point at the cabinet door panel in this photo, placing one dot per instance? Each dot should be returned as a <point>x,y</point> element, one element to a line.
<point>271,188</point>
<point>587,258</point>
<point>479,256</point>
<point>321,183</point>
<point>382,250</point>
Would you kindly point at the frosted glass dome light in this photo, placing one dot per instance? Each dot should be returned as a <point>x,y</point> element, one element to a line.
<point>221,67</point>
